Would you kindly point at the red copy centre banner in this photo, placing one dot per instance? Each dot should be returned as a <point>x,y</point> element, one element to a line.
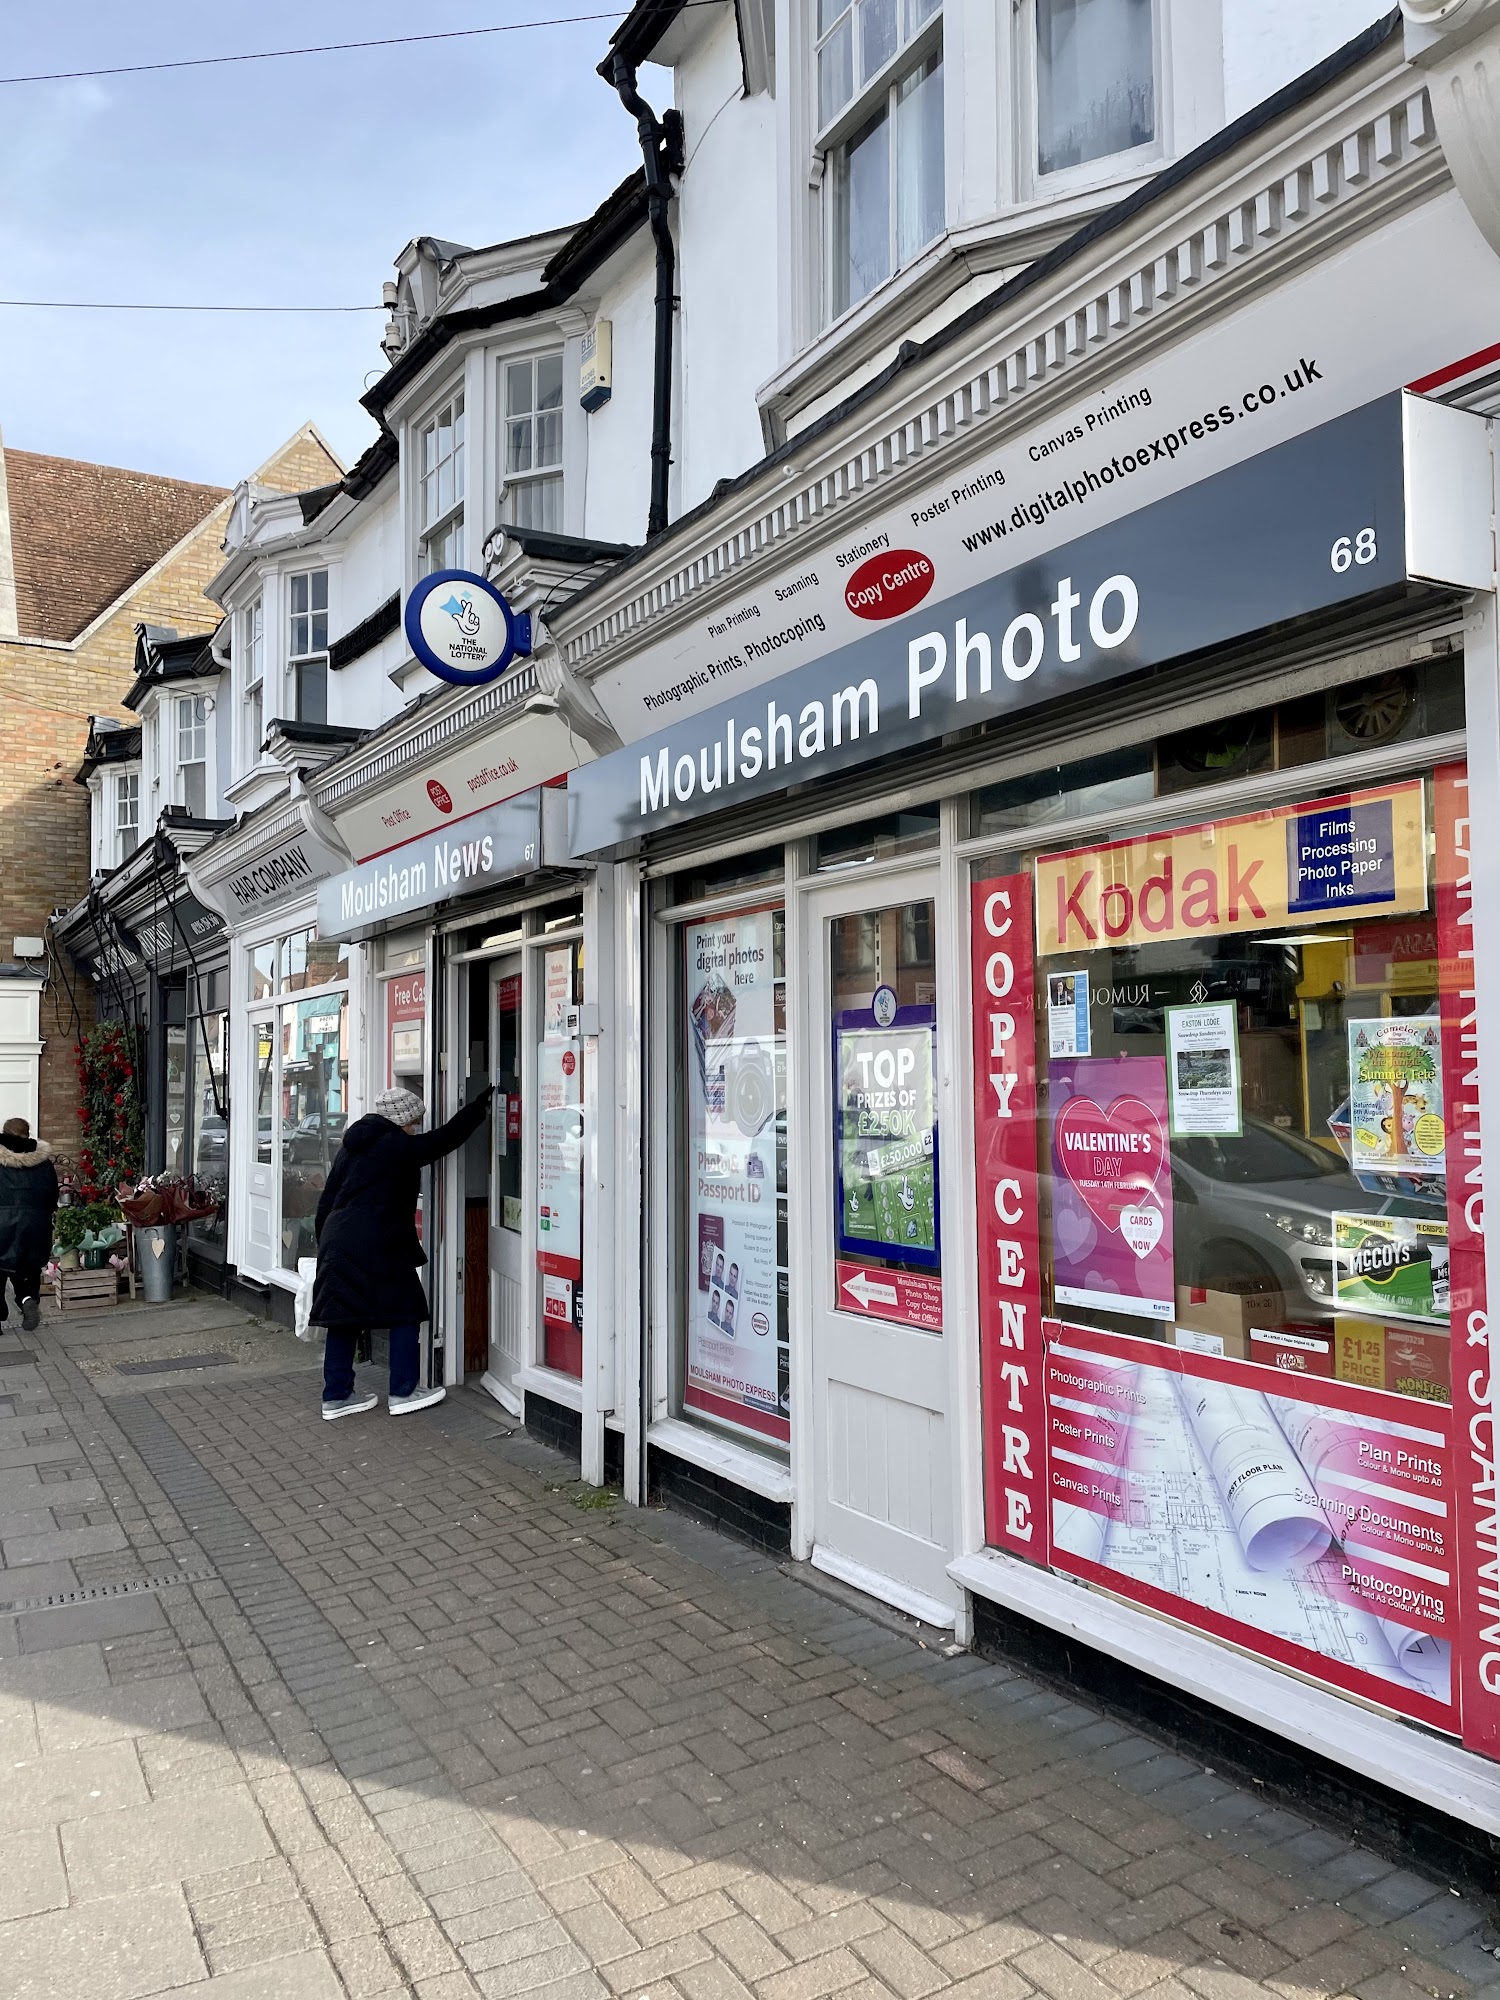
<point>1011,1374</point>
<point>1473,1421</point>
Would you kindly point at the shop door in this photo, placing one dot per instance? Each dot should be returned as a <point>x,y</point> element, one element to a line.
<point>881,1454</point>
<point>507,1229</point>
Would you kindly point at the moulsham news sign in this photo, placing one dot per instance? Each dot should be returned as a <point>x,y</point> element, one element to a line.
<point>1318,522</point>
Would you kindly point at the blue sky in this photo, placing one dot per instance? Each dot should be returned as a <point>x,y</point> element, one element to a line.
<point>262,183</point>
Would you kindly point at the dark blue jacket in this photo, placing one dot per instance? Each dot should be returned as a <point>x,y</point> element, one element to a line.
<point>28,1195</point>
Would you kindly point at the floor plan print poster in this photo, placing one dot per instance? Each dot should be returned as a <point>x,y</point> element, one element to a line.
<point>1307,1520</point>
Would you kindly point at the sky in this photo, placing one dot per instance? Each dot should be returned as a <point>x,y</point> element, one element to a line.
<point>267,183</point>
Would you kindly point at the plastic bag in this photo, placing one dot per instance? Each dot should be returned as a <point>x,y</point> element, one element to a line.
<point>307,1270</point>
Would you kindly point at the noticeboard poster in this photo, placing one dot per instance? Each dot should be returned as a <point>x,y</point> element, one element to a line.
<point>1112,1186</point>
<point>1307,1520</point>
<point>1203,1070</point>
<point>1396,1121</point>
<point>732,1085</point>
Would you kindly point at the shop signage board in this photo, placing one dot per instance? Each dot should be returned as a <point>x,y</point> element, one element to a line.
<point>1304,1519</point>
<point>495,845</point>
<point>733,1040</point>
<point>1111,1185</point>
<point>1008,1193</point>
<point>173,934</point>
<point>1309,350</point>
<point>1250,873</point>
<point>529,750</point>
<point>1318,522</point>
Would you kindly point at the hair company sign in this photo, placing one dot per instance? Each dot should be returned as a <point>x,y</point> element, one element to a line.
<point>1320,521</point>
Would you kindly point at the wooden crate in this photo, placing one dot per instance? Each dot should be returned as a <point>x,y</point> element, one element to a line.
<point>85,1291</point>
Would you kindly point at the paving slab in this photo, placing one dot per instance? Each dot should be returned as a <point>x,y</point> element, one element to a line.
<point>123,1949</point>
<point>137,1708</point>
<point>303,1975</point>
<point>46,1791</point>
<point>168,1840</point>
<point>32,1878</point>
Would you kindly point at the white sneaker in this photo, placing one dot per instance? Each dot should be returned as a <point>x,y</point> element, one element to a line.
<point>418,1400</point>
<point>351,1406</point>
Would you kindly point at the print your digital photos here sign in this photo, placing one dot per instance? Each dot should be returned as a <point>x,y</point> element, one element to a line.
<point>1317,522</point>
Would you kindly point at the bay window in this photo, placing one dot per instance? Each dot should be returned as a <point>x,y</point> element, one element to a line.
<point>441,498</point>
<point>127,814</point>
<point>1095,80</point>
<point>252,678</point>
<point>533,493</point>
<point>192,753</point>
<point>307,650</point>
<point>880,118</point>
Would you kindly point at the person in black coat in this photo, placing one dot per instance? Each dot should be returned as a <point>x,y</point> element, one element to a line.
<point>368,1248</point>
<point>28,1195</point>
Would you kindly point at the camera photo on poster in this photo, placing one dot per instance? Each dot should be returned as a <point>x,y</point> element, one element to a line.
<point>734,1087</point>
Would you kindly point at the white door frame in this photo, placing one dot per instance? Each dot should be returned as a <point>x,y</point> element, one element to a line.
<point>926,1591</point>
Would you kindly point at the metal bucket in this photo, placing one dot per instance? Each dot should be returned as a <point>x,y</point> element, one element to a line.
<point>156,1247</point>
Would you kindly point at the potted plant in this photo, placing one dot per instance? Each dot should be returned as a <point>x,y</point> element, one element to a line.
<point>102,1230</point>
<point>69,1227</point>
<point>154,1207</point>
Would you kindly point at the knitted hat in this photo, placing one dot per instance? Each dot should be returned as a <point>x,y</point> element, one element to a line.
<point>402,1107</point>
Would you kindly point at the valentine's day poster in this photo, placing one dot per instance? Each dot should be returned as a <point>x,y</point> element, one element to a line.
<point>1112,1185</point>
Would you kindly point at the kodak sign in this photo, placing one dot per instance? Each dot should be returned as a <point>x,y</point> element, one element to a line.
<point>1354,854</point>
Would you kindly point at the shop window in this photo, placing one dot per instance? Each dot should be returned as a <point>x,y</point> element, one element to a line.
<point>314,1106</point>
<point>559,1153</point>
<point>881,839</point>
<point>879,66</point>
<point>1218,1115</point>
<point>307,960</point>
<point>767,865</point>
<point>1067,791</point>
<point>208,1100</point>
<point>1095,80</point>
<point>533,492</point>
<point>730,1172</point>
<point>262,971</point>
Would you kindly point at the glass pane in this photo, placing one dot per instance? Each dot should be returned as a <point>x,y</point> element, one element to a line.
<point>830,11</point>
<point>458,467</point>
<point>549,374</point>
<point>429,448</point>
<point>320,590</point>
<point>883,990</point>
<point>877,36</point>
<point>445,486</point>
<point>550,492</point>
<point>518,388</point>
<point>835,73</point>
<point>559,1163</point>
<point>861,214</point>
<point>506,1125</point>
<point>208,1056</point>
<point>195,789</point>
<point>1095,80</point>
<point>174,1136</point>
<point>299,593</point>
<point>319,632</point>
<point>314,1112</point>
<point>732,1262</point>
<point>918,11</point>
<point>312,691</point>
<point>444,437</point>
<point>518,445</point>
<point>265,1087</point>
<point>262,971</point>
<point>919,159</point>
<point>255,726</point>
<point>911,832</point>
<point>549,438</point>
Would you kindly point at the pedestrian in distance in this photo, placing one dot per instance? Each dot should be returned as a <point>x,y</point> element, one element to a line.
<point>28,1195</point>
<point>369,1251</point>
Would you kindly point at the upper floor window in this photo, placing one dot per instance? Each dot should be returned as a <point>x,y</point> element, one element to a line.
<point>880,130</point>
<point>307,650</point>
<point>192,753</point>
<point>534,442</point>
<point>253,677</point>
<point>127,829</point>
<point>441,459</point>
<point>1095,80</point>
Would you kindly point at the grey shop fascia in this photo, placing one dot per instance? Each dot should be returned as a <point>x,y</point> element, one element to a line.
<point>1247,549</point>
<point>493,845</point>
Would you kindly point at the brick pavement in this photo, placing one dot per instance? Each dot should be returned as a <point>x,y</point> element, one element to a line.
<point>377,1709</point>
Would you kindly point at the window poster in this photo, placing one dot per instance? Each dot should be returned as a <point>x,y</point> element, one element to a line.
<point>1304,1519</point>
<point>1396,1096</point>
<point>557,992</point>
<point>733,1086</point>
<point>1203,1070</point>
<point>559,1218</point>
<point>1067,1014</point>
<point>1112,1185</point>
<point>1395,1266</point>
<point>886,1141</point>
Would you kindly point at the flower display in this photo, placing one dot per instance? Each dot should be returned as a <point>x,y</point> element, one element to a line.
<point>109,1109</point>
<point>156,1199</point>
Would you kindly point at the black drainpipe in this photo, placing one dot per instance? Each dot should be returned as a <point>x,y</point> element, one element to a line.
<point>661,149</point>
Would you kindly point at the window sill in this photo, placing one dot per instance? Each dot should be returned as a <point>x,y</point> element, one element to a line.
<point>864,337</point>
<point>712,1453</point>
<point>1395,1754</point>
<point>564,1389</point>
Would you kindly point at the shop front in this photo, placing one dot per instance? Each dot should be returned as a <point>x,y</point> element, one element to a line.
<point>474,937</point>
<point>1062,1156</point>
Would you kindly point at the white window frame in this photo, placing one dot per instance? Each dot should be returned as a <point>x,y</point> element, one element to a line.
<point>830,138</point>
<point>442,532</point>
<point>195,734</point>
<point>252,624</point>
<point>1035,185</point>
<point>536,476</point>
<point>312,654</point>
<point>120,784</point>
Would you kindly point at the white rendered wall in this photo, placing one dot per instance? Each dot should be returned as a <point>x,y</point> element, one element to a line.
<point>619,435</point>
<point>362,694</point>
<point>1268,43</point>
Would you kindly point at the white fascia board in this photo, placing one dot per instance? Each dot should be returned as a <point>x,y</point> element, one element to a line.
<point>1414,1762</point>
<point>1449,479</point>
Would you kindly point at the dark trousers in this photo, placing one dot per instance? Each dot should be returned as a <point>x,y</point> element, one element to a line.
<point>338,1361</point>
<point>25,1285</point>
